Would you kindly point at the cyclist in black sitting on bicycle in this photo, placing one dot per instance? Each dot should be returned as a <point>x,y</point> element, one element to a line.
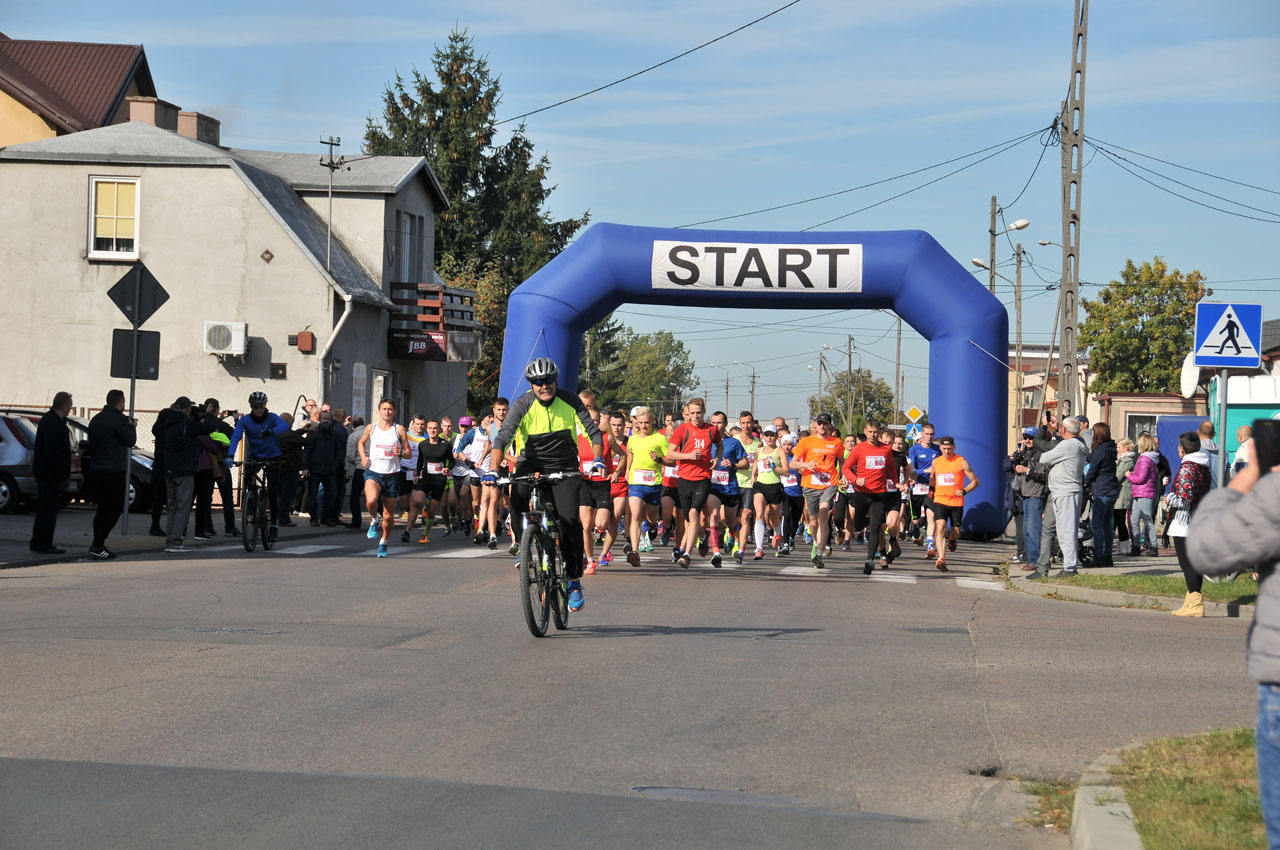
<point>544,422</point>
<point>262,426</point>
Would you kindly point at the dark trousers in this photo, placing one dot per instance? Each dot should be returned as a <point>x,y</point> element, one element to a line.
<point>180,490</point>
<point>564,495</point>
<point>227,492</point>
<point>204,502</point>
<point>159,495</point>
<point>325,508</point>
<point>46,519</point>
<point>1195,581</point>
<point>868,513</point>
<point>1122,523</point>
<point>357,495</point>
<point>1020,533</point>
<point>108,490</point>
<point>793,511</point>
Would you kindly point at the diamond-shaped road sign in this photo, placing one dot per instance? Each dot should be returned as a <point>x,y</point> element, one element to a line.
<point>138,289</point>
<point>1228,335</point>
<point>915,413</point>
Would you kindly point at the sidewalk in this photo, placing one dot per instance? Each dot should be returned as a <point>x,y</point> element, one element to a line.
<point>75,532</point>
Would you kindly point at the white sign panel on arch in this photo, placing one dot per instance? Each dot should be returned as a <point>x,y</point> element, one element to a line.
<point>749,266</point>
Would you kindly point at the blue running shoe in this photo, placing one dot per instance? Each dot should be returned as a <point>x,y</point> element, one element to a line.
<point>575,596</point>
<point>382,550</point>
<point>373,528</point>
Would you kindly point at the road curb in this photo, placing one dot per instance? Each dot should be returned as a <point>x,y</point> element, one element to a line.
<point>83,556</point>
<point>1116,599</point>
<point>1101,818</point>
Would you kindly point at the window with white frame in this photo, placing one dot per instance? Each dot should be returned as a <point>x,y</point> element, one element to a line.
<point>113,218</point>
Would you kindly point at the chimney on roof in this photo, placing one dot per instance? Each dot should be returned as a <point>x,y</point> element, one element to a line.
<point>198,126</point>
<point>154,111</point>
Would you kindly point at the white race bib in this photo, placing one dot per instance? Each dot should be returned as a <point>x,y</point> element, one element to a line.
<point>891,486</point>
<point>820,479</point>
<point>765,464</point>
<point>435,468</point>
<point>671,471</point>
<point>390,451</point>
<point>875,462</point>
<point>646,477</point>
<point>720,476</point>
<point>789,480</point>
<point>920,489</point>
<point>946,479</point>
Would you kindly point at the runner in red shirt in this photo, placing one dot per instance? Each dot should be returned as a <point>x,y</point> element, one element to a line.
<point>869,468</point>
<point>691,444</point>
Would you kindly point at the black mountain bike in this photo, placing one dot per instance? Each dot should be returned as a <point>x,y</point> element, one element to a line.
<point>544,586</point>
<point>255,519</point>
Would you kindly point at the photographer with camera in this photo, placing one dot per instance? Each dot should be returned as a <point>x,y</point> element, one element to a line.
<point>226,488</point>
<point>182,431</point>
<point>1236,529</point>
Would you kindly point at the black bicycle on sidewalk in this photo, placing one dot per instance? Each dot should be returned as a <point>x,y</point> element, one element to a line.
<point>255,519</point>
<point>544,586</point>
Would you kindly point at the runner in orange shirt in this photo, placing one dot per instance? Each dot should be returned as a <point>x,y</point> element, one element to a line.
<point>818,456</point>
<point>952,479</point>
<point>870,468</point>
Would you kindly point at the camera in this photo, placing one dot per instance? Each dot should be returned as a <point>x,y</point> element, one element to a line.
<point>1266,444</point>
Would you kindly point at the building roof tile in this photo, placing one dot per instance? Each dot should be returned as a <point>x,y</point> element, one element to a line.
<point>75,86</point>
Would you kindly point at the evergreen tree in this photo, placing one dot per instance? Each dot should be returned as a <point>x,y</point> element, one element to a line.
<point>601,366</point>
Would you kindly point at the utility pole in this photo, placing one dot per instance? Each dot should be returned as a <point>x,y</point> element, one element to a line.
<point>991,264</point>
<point>897,375</point>
<point>1017,361</point>
<point>333,165</point>
<point>853,383</point>
<point>1072,132</point>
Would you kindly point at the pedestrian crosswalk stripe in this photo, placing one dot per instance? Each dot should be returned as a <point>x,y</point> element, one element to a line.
<point>798,570</point>
<point>894,577</point>
<point>478,552</point>
<point>980,584</point>
<point>309,549</point>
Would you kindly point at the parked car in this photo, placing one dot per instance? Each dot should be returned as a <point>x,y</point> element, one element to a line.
<point>25,486</point>
<point>17,485</point>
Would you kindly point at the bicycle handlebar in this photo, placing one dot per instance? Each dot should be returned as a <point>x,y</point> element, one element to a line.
<point>546,476</point>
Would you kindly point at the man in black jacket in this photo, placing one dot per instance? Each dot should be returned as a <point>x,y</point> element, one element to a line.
<point>51,467</point>
<point>325,445</point>
<point>181,451</point>
<point>226,488</point>
<point>111,435</point>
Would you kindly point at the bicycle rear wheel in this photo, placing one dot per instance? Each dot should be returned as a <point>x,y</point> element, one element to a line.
<point>248,519</point>
<point>535,589</point>
<point>560,592</point>
<point>264,525</point>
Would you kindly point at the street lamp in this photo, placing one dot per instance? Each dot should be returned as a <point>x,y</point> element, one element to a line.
<point>726,387</point>
<point>1020,224</point>
<point>853,378</point>
<point>753,384</point>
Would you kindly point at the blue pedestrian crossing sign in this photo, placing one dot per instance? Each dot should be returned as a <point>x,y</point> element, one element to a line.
<point>913,432</point>
<point>1227,335</point>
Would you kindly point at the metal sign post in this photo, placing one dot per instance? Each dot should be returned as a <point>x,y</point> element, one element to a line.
<point>133,386</point>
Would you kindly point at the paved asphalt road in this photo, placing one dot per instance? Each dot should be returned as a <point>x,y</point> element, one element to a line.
<point>318,697</point>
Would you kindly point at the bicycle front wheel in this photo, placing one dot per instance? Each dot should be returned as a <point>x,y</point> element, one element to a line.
<point>249,519</point>
<point>535,586</point>
<point>264,524</point>
<point>560,591</point>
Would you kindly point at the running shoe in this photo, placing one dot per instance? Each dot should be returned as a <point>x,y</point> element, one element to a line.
<point>951,544</point>
<point>426,536</point>
<point>737,554</point>
<point>715,559</point>
<point>606,559</point>
<point>404,536</point>
<point>599,537</point>
<point>493,541</point>
<point>702,546</point>
<point>818,562</point>
<point>827,550</point>
<point>633,559</point>
<point>513,549</point>
<point>626,547</point>
<point>382,549</point>
<point>941,564</point>
<point>373,528</point>
<point>759,555</point>
<point>868,567</point>
<point>683,560</point>
<point>847,547</point>
<point>480,538</point>
<point>662,530</point>
<point>590,568</point>
<point>576,600</point>
<point>895,551</point>
<point>448,529</point>
<point>646,545</point>
<point>813,551</point>
<point>675,555</point>
<point>808,538</point>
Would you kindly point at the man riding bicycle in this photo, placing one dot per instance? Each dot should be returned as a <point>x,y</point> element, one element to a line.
<point>262,426</point>
<point>544,423</point>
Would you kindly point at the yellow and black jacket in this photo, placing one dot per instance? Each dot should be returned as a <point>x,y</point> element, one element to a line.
<point>545,435</point>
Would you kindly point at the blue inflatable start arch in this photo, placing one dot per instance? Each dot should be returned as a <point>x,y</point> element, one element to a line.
<point>906,271</point>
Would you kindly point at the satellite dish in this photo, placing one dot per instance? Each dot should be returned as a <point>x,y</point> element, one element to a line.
<point>1190,375</point>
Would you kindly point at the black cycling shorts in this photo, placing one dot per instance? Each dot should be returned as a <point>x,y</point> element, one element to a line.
<point>952,513</point>
<point>892,501</point>
<point>920,502</point>
<point>595,494</point>
<point>693,494</point>
<point>748,498</point>
<point>432,486</point>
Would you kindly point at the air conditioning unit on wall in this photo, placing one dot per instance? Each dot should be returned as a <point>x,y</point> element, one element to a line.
<point>226,338</point>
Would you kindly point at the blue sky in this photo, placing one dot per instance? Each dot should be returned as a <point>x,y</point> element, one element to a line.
<point>826,95</point>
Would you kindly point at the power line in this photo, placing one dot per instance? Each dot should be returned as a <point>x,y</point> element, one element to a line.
<point>650,68</point>
<point>921,186</point>
<point>1183,167</point>
<point>1021,138</point>
<point>1049,137</point>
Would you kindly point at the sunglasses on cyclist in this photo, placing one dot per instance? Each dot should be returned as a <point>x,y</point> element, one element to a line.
<point>542,382</point>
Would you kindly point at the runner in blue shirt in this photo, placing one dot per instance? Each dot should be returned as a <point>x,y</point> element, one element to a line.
<point>725,492</point>
<point>793,504</point>
<point>921,455</point>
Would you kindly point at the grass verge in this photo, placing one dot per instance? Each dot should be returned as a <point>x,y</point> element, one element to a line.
<point>1243,590</point>
<point>1055,802</point>
<point>1195,793</point>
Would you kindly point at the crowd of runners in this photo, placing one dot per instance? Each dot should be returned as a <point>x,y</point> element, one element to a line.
<point>698,485</point>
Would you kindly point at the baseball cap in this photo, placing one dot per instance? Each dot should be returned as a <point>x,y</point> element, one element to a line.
<point>823,418</point>
<point>1028,432</point>
<point>635,410</point>
<point>464,420</point>
<point>790,439</point>
<point>182,403</point>
<point>771,430</point>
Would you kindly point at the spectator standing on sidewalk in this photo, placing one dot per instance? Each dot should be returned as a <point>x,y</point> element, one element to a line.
<point>181,454</point>
<point>325,447</point>
<point>1126,457</point>
<point>1101,479</point>
<point>1235,530</point>
<point>1065,462</point>
<point>1191,485</point>
<point>1244,454</point>
<point>1210,447</point>
<point>355,470</point>
<point>1144,478</point>
<point>1047,438</point>
<point>1013,501</point>
<point>51,467</point>
<point>159,492</point>
<point>291,462</point>
<point>226,488</point>
<point>111,435</point>
<point>1034,491</point>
